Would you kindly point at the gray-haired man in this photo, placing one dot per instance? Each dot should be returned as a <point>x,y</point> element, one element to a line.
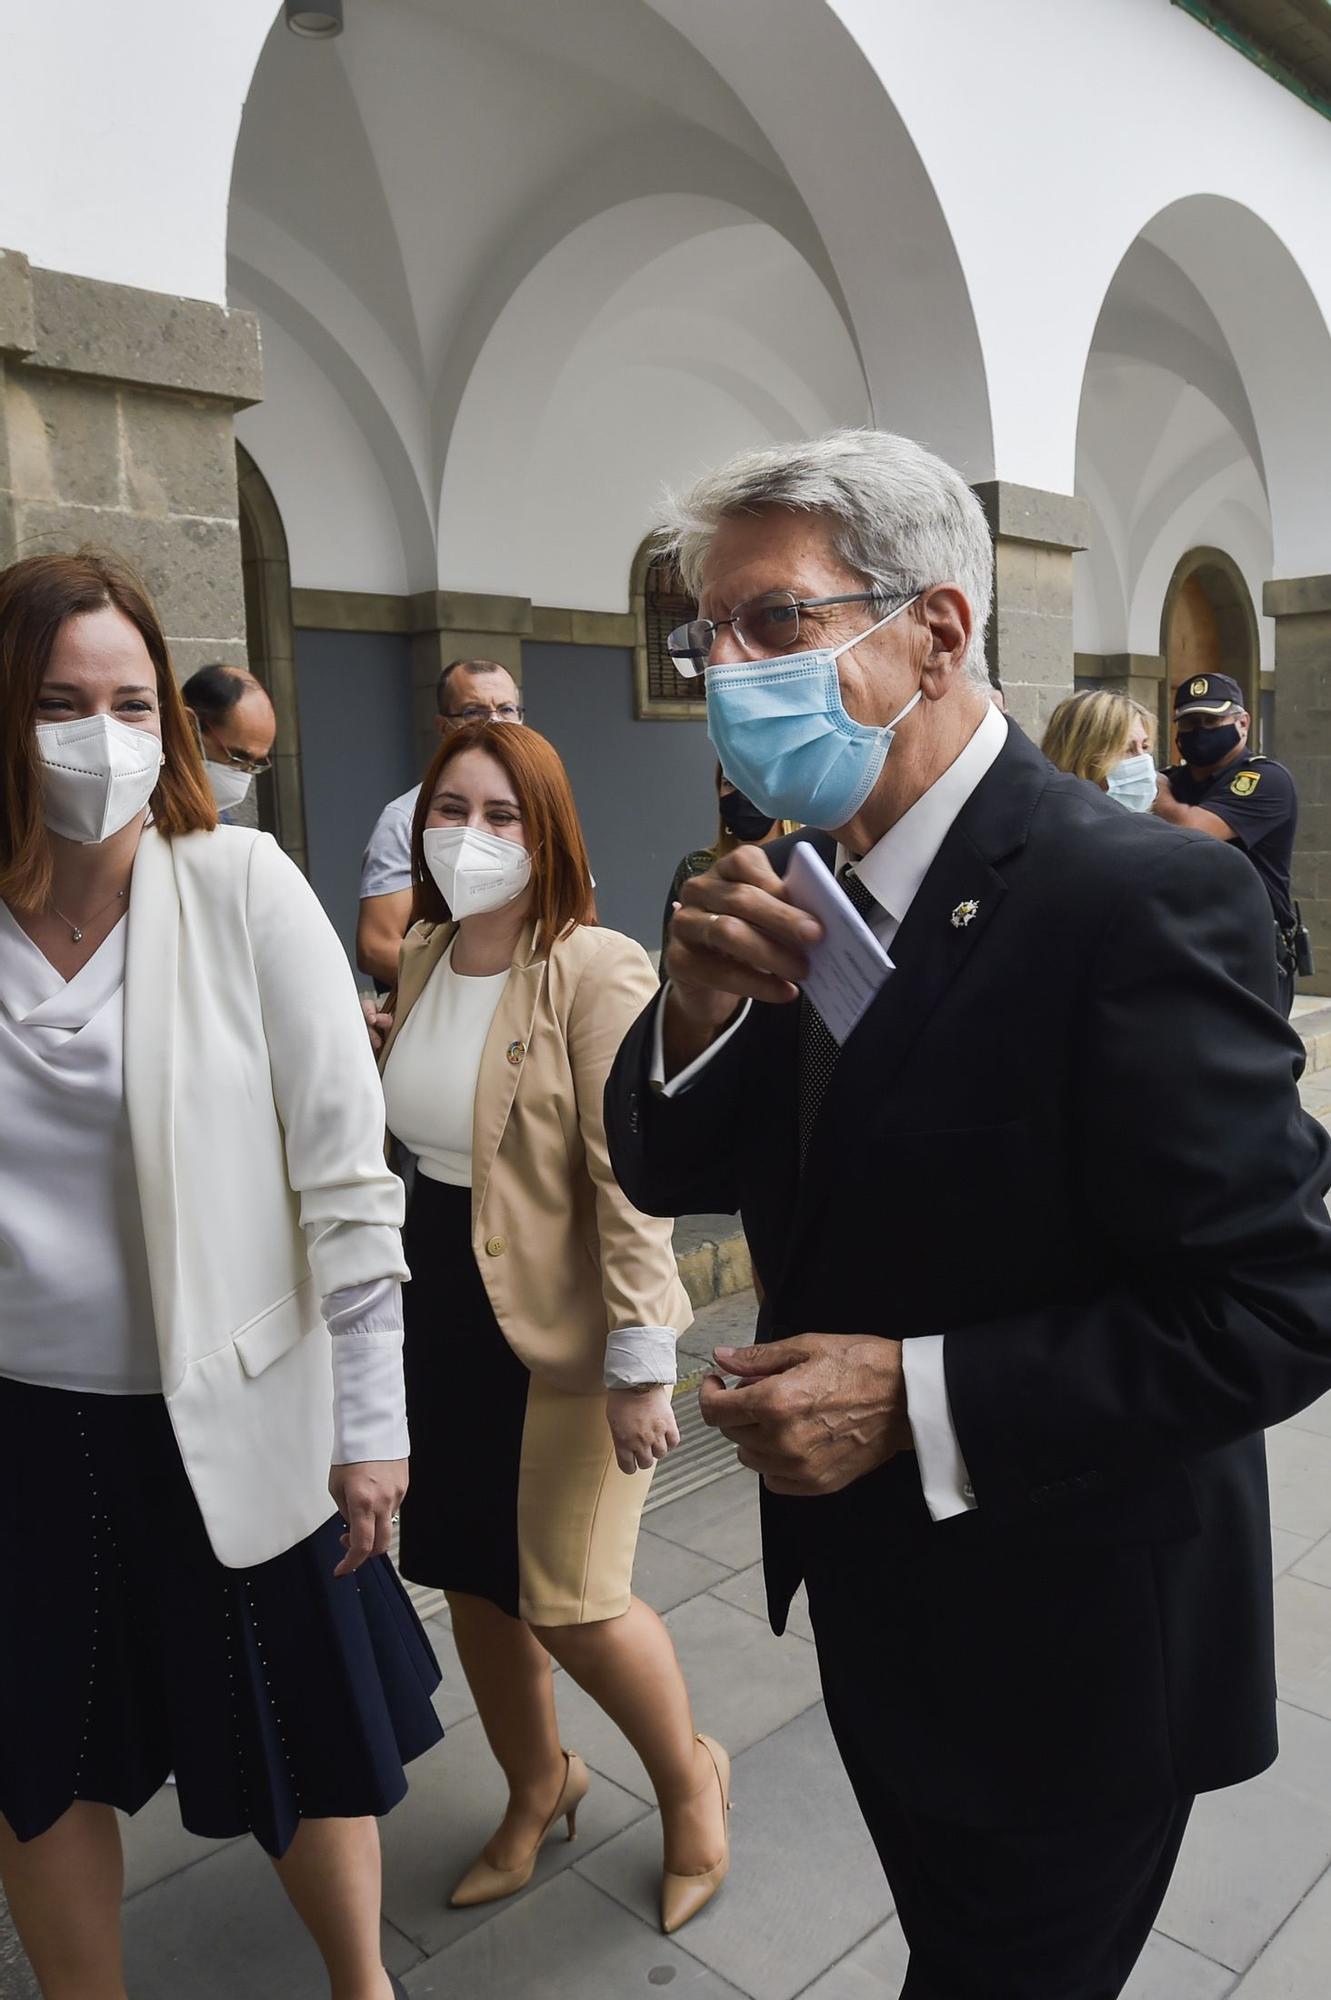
<point>1043,1247</point>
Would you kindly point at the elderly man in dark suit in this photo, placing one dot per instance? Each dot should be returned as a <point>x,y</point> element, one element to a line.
<point>1043,1246</point>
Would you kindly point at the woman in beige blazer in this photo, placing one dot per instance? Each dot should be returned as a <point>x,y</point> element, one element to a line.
<point>543,1313</point>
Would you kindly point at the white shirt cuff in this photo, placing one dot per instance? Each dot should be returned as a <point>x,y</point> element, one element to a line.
<point>943,1474</point>
<point>635,1355</point>
<point>686,1076</point>
<point>369,1394</point>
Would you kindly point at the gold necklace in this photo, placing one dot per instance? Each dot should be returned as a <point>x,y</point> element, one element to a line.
<point>75,933</point>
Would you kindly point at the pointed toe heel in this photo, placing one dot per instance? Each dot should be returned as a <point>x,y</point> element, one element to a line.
<point>683,1896</point>
<point>484,1883</point>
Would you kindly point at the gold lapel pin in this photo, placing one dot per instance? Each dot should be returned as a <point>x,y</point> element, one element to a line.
<point>965,913</point>
<point>516,1051</point>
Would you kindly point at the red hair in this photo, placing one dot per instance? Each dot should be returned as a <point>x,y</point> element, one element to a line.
<point>37,596</point>
<point>560,871</point>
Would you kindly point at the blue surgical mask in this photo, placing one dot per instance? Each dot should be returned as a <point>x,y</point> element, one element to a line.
<point>1132,782</point>
<point>785,740</point>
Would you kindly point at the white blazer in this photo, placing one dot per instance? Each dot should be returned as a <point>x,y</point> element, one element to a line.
<point>256,1119</point>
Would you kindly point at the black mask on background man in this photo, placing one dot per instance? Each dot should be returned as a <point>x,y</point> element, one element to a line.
<point>1203,747</point>
<point>743,818</point>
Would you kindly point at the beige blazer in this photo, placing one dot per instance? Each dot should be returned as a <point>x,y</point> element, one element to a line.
<point>256,1121</point>
<point>565,1257</point>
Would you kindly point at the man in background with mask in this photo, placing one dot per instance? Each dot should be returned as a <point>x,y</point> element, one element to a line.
<point>1222,789</point>
<point>237,727</point>
<point>466,691</point>
<point>1043,1246</point>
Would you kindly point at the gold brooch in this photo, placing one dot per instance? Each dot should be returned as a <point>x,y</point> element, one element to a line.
<point>965,913</point>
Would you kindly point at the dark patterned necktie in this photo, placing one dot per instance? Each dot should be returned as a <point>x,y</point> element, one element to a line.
<point>819,1048</point>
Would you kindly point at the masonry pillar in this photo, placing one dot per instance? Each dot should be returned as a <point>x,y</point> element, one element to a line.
<point>1301,607</point>
<point>1029,641</point>
<point>116,410</point>
<point>1140,676</point>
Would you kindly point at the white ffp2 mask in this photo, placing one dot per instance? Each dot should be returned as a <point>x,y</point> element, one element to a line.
<point>231,787</point>
<point>475,871</point>
<point>97,773</point>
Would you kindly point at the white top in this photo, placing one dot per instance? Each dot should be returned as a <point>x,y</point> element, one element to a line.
<point>75,1302</point>
<point>892,871</point>
<point>431,1076</point>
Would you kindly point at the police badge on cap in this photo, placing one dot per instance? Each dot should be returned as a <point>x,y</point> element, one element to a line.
<point>1208,694</point>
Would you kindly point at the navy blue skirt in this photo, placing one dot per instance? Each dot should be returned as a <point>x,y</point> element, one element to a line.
<point>127,1650</point>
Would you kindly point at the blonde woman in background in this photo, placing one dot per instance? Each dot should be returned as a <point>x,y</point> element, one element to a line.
<point>1106,738</point>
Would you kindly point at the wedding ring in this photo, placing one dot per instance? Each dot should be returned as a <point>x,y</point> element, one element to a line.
<point>396,1518</point>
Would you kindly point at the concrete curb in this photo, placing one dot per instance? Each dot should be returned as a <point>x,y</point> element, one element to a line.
<point>1314,1029</point>
<point>715,1266</point>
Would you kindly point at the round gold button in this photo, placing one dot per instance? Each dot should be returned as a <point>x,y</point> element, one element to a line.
<point>516,1051</point>
<point>496,1246</point>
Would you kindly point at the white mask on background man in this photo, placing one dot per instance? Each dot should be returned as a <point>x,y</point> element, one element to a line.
<point>475,871</point>
<point>231,786</point>
<point>97,774</point>
<point>1132,782</point>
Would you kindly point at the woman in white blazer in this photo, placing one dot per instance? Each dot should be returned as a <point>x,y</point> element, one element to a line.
<point>199,1315</point>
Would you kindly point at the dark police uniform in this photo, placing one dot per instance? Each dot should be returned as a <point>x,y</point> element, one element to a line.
<point>1256,798</point>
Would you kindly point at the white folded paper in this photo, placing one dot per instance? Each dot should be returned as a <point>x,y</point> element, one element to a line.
<point>849,967</point>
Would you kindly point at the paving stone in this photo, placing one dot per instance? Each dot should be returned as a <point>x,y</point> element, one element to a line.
<point>455,1803</point>
<point>1300,1469</point>
<point>156,1844</point>
<point>1295,1964</point>
<point>719,1522</point>
<point>799,1846</point>
<point>566,1941</point>
<point>1303,1643</point>
<point>1288,1550</point>
<point>730,1322</point>
<point>225,1929</point>
<point>748,1590</point>
<point>743,1681</point>
<point>1315,1564</point>
<point>1169,1971</point>
<point>664,1574</point>
<point>1253,1852</point>
<point>873,1971</point>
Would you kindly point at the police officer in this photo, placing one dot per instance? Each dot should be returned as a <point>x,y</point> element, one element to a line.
<point>1222,789</point>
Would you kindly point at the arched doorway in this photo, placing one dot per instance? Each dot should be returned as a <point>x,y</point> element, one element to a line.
<point>1208,625</point>
<point>270,643</point>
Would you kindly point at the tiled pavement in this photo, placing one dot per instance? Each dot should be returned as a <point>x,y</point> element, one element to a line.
<point>806,1911</point>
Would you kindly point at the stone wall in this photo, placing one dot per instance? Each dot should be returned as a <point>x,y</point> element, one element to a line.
<point>116,410</point>
<point>1029,639</point>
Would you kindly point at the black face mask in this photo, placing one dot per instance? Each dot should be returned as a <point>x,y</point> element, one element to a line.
<point>743,818</point>
<point>1203,747</point>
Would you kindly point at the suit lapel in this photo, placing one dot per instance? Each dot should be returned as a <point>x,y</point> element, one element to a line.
<point>502,1061</point>
<point>151,1001</point>
<point>420,955</point>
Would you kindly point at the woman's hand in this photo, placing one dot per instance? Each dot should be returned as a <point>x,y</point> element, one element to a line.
<point>367,1496</point>
<point>642,1424</point>
<point>378,1024</point>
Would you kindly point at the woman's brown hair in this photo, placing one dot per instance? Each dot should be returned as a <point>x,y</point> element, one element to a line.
<point>560,871</point>
<point>37,596</point>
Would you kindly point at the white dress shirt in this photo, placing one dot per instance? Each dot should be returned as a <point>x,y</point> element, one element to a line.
<point>892,871</point>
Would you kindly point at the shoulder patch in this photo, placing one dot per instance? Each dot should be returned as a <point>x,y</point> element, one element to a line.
<point>1245,784</point>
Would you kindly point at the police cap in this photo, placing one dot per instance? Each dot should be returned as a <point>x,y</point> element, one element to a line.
<point>1208,694</point>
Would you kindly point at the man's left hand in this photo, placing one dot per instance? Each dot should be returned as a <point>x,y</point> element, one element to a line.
<point>814,1413</point>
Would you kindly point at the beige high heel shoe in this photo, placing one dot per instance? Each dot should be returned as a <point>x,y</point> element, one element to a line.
<point>682,1896</point>
<point>484,1883</point>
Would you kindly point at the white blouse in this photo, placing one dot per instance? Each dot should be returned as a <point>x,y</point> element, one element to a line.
<point>75,1301</point>
<point>431,1076</point>
<point>76,1307</point>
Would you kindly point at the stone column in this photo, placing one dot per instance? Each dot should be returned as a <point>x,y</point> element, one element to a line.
<point>1301,607</point>
<point>1029,641</point>
<point>116,410</point>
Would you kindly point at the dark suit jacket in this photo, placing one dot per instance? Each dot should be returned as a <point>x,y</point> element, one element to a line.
<point>1067,1136</point>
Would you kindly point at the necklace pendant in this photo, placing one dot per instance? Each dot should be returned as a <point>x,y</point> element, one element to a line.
<point>78,937</point>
